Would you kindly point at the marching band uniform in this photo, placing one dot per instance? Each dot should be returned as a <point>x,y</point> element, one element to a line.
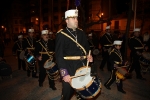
<point>69,55</point>
<point>115,59</point>
<point>29,46</point>
<point>18,48</point>
<point>136,46</point>
<point>106,42</point>
<point>48,48</point>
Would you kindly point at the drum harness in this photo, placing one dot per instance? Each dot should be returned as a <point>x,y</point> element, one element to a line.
<point>51,58</point>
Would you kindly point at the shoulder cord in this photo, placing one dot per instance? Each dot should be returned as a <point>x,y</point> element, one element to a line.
<point>139,41</point>
<point>29,43</point>
<point>46,50</point>
<point>20,47</point>
<point>108,39</point>
<point>74,41</point>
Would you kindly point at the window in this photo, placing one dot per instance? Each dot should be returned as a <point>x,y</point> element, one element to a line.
<point>45,19</point>
<point>16,22</point>
<point>16,29</point>
<point>55,9</point>
<point>55,18</point>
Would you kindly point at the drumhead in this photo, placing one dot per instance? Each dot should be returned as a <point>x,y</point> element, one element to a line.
<point>80,82</point>
<point>48,63</point>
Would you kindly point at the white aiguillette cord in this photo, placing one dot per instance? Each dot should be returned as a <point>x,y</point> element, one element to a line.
<point>86,68</point>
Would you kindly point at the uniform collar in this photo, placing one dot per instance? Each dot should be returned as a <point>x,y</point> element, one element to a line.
<point>70,29</point>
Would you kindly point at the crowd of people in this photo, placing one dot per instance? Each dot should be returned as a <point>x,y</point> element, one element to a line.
<point>69,50</point>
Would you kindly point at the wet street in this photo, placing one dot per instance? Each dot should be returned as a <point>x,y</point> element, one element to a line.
<point>21,87</point>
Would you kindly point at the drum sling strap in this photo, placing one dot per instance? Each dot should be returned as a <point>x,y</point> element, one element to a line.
<point>74,41</point>
<point>45,49</point>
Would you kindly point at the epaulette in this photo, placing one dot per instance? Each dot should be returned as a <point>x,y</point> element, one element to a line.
<point>59,31</point>
<point>80,29</point>
<point>111,51</point>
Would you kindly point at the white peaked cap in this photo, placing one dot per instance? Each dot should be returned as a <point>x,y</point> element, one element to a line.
<point>117,42</point>
<point>90,34</point>
<point>107,27</point>
<point>31,30</point>
<point>136,30</point>
<point>20,36</point>
<point>50,32</point>
<point>71,13</point>
<point>44,32</point>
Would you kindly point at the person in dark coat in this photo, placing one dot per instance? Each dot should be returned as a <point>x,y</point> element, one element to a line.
<point>136,46</point>
<point>17,49</point>
<point>44,50</point>
<point>116,61</point>
<point>106,42</point>
<point>29,46</point>
<point>69,55</point>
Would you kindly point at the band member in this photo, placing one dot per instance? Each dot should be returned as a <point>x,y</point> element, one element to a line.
<point>17,49</point>
<point>43,51</point>
<point>136,46</point>
<point>29,46</point>
<point>69,55</point>
<point>116,62</point>
<point>106,42</point>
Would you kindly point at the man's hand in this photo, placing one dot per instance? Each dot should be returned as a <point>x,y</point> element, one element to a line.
<point>90,58</point>
<point>40,58</point>
<point>67,78</point>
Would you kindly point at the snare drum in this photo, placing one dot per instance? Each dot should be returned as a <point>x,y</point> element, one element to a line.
<point>87,86</point>
<point>96,52</point>
<point>30,59</point>
<point>52,69</point>
<point>21,56</point>
<point>144,61</point>
<point>122,73</point>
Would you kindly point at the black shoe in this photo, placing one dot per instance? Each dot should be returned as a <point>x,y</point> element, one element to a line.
<point>40,84</point>
<point>107,87</point>
<point>53,88</point>
<point>35,76</point>
<point>122,91</point>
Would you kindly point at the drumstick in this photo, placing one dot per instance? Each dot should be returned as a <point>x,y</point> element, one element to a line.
<point>77,76</point>
<point>88,61</point>
<point>121,66</point>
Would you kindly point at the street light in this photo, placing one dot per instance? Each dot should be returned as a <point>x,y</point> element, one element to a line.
<point>2,26</point>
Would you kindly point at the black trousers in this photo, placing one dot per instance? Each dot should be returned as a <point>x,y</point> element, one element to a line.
<point>21,63</point>
<point>31,69</point>
<point>135,65</point>
<point>68,91</point>
<point>42,74</point>
<point>111,80</point>
<point>105,60</point>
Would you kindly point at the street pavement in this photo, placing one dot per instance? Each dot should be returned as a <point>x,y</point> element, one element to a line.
<point>21,87</point>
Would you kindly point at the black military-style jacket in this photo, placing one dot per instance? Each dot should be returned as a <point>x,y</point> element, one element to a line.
<point>41,47</point>
<point>135,44</point>
<point>106,41</point>
<point>29,43</point>
<point>66,47</point>
<point>17,47</point>
<point>115,58</point>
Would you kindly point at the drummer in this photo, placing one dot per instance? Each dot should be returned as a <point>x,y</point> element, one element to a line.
<point>29,45</point>
<point>44,50</point>
<point>69,55</point>
<point>116,62</point>
<point>17,49</point>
